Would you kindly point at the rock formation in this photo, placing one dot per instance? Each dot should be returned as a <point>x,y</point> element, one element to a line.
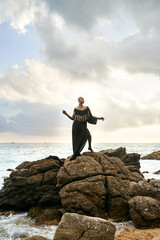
<point>157,172</point>
<point>153,155</point>
<point>145,203</point>
<point>33,186</point>
<point>93,184</point>
<point>96,185</point>
<point>131,160</point>
<point>75,227</point>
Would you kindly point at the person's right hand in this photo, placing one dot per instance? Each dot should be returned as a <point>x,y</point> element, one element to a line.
<point>64,112</point>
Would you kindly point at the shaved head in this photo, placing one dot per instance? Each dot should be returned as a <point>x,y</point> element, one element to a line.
<point>80,98</point>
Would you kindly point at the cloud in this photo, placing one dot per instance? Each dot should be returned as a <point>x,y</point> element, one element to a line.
<point>19,13</point>
<point>84,14</point>
<point>125,111</point>
<point>32,119</point>
<point>79,57</point>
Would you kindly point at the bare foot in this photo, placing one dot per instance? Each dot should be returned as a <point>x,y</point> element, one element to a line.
<point>89,148</point>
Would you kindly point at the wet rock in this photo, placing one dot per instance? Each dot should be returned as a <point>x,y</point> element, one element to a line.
<point>10,170</point>
<point>153,155</point>
<point>75,227</point>
<point>37,237</point>
<point>96,185</point>
<point>47,215</point>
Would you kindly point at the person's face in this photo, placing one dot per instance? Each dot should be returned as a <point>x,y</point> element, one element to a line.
<point>81,100</point>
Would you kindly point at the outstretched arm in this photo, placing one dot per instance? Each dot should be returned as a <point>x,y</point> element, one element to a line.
<point>71,117</point>
<point>100,118</point>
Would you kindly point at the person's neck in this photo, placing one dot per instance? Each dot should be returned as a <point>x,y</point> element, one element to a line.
<point>80,105</point>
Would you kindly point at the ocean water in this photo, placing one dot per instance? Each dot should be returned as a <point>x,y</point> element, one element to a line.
<point>12,154</point>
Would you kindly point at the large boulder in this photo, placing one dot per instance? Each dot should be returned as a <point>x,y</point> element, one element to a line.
<point>131,160</point>
<point>32,184</point>
<point>96,185</point>
<point>145,211</point>
<point>77,227</point>
<point>146,188</point>
<point>118,152</point>
<point>153,155</point>
<point>145,203</point>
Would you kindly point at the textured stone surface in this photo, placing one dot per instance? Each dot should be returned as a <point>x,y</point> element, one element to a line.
<point>32,184</point>
<point>79,227</point>
<point>145,203</point>
<point>93,184</point>
<point>153,155</point>
<point>145,211</point>
<point>96,185</point>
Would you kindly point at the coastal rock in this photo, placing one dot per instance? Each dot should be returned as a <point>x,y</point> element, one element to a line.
<point>46,215</point>
<point>93,184</point>
<point>118,152</point>
<point>132,160</point>
<point>145,203</point>
<point>37,237</point>
<point>153,155</point>
<point>32,184</point>
<point>157,172</point>
<point>75,227</point>
<point>144,188</point>
<point>96,185</point>
<point>145,211</point>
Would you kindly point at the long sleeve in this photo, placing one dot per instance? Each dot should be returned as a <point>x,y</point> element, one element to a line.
<point>92,119</point>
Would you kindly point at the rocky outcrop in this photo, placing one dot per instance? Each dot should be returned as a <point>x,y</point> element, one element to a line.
<point>131,160</point>
<point>93,184</point>
<point>96,185</point>
<point>153,155</point>
<point>145,203</point>
<point>118,152</point>
<point>46,215</point>
<point>75,227</point>
<point>157,172</point>
<point>32,184</point>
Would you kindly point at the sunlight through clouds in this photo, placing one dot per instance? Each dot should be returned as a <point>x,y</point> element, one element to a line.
<point>105,52</point>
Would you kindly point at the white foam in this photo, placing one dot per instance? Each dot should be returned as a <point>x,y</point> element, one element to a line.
<point>13,226</point>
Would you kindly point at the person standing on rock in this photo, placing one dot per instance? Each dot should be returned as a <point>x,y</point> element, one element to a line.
<point>80,133</point>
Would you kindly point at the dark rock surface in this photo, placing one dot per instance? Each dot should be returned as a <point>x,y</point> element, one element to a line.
<point>32,184</point>
<point>96,185</point>
<point>132,160</point>
<point>37,237</point>
<point>93,184</point>
<point>77,227</point>
<point>153,155</point>
<point>157,172</point>
<point>145,203</point>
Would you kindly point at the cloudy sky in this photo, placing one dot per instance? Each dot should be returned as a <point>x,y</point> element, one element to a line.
<point>53,51</point>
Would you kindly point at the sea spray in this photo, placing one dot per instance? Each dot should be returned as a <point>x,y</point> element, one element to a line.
<point>20,226</point>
